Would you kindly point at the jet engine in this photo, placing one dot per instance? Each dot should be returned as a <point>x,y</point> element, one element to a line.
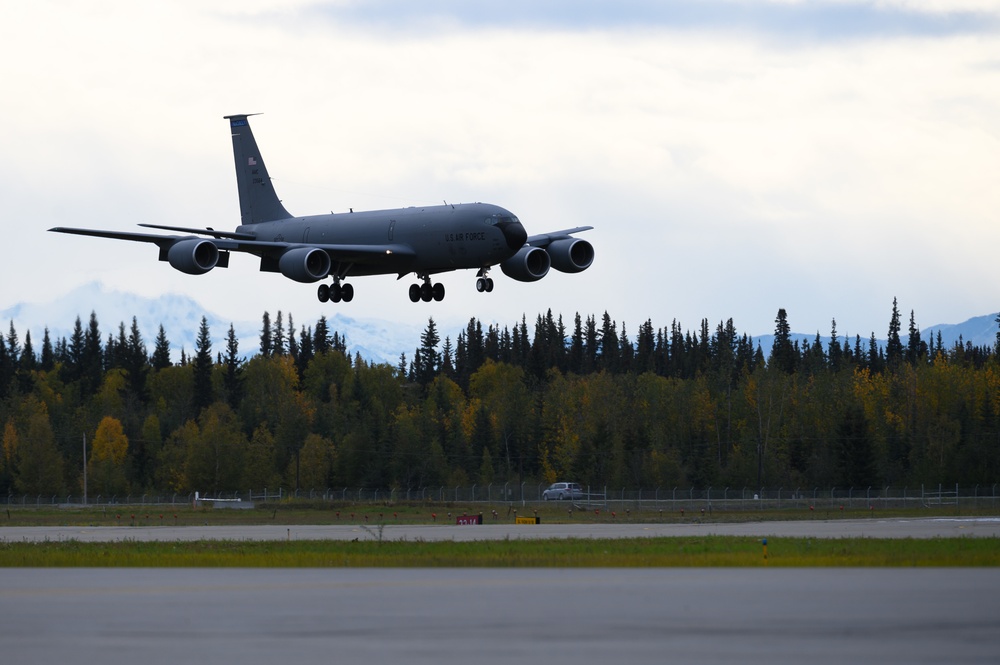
<point>571,254</point>
<point>193,256</point>
<point>305,264</point>
<point>530,264</point>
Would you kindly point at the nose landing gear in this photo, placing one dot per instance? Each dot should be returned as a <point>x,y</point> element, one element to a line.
<point>483,282</point>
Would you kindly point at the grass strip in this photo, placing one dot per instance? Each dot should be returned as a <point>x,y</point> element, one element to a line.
<point>708,551</point>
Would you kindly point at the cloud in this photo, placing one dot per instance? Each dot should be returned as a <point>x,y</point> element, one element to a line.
<point>726,174</point>
<point>829,20</point>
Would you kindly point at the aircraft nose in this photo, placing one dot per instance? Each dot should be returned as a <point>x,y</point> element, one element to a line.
<point>514,234</point>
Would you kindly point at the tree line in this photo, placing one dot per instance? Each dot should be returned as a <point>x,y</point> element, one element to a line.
<point>586,402</point>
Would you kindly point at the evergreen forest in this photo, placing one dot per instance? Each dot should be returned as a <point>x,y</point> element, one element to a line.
<point>584,400</point>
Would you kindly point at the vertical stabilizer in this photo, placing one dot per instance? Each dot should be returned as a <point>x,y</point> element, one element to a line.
<point>258,200</point>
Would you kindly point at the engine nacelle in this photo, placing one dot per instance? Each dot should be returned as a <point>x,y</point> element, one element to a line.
<point>305,264</point>
<point>530,264</point>
<point>571,254</point>
<point>193,256</point>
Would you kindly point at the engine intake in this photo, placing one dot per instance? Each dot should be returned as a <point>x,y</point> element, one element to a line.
<point>571,254</point>
<point>193,256</point>
<point>305,264</point>
<point>530,264</point>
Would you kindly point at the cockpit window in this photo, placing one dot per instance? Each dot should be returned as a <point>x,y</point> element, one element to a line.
<point>493,220</point>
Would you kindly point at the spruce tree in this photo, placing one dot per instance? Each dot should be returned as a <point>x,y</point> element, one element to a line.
<point>202,397</point>
<point>609,360</point>
<point>28,361</point>
<point>74,353</point>
<point>893,345</point>
<point>134,361</point>
<point>92,363</point>
<point>782,351</point>
<point>321,337</point>
<point>914,345</point>
<point>430,360</point>
<point>278,336</point>
<point>265,336</point>
<point>48,360</point>
<point>13,345</point>
<point>232,379</point>
<point>576,346</point>
<point>447,366</point>
<point>293,346</point>
<point>161,350</point>
<point>304,353</point>
<point>836,353</point>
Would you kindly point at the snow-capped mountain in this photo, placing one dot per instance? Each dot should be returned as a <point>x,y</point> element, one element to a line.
<point>180,316</point>
<point>979,331</point>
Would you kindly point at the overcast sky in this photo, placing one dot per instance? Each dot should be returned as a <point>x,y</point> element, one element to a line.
<point>733,157</point>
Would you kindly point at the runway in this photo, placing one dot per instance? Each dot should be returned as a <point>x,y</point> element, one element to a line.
<point>579,616</point>
<point>860,528</point>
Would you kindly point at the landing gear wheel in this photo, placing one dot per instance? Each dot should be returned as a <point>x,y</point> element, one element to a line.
<point>414,292</point>
<point>480,285</point>
<point>489,284</point>
<point>336,293</point>
<point>438,292</point>
<point>323,293</point>
<point>347,292</point>
<point>426,292</point>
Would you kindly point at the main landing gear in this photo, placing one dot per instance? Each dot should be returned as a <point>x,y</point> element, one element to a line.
<point>335,292</point>
<point>426,291</point>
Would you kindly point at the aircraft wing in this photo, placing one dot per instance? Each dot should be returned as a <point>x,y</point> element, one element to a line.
<point>339,252</point>
<point>544,239</point>
<point>160,240</point>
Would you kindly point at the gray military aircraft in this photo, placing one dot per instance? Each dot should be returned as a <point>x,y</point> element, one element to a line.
<point>421,240</point>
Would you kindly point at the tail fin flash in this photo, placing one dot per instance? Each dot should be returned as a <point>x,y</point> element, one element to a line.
<point>258,200</point>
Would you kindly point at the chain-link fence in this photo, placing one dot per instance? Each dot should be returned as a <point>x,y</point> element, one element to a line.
<point>623,499</point>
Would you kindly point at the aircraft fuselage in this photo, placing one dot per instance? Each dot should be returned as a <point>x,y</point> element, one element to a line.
<point>442,238</point>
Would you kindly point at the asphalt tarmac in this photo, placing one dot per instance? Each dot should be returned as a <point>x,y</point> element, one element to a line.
<point>846,528</point>
<point>533,616</point>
